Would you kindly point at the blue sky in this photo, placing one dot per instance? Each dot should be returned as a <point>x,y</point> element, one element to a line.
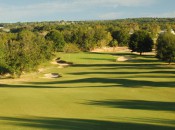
<point>49,10</point>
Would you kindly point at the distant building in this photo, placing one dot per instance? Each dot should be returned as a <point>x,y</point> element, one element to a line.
<point>164,31</point>
<point>6,29</point>
<point>172,31</point>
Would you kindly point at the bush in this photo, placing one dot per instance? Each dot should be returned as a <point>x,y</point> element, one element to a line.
<point>71,48</point>
<point>113,43</point>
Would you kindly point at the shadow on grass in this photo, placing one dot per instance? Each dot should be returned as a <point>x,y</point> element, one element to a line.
<point>78,124</point>
<point>99,59</point>
<point>152,120</point>
<point>117,82</point>
<point>136,104</point>
<point>129,65</point>
<point>28,86</point>
<point>113,69</point>
<point>133,74</point>
<point>109,82</point>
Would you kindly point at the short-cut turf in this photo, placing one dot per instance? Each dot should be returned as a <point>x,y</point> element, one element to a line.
<point>95,93</point>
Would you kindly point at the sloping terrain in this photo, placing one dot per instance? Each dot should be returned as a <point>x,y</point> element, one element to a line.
<point>97,92</point>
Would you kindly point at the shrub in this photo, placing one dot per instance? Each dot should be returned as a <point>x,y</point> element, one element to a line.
<point>71,48</point>
<point>113,43</point>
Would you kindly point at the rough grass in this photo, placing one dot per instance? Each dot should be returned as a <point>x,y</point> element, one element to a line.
<point>96,93</point>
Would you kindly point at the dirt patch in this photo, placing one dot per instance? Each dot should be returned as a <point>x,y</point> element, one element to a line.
<point>124,58</point>
<point>54,62</point>
<point>40,70</point>
<point>111,49</point>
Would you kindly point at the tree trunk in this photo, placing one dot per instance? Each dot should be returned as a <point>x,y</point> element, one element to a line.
<point>169,61</point>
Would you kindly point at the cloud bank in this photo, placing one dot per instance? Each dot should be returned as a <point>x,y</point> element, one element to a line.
<point>39,10</point>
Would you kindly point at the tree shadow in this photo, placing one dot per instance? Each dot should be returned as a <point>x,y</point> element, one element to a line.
<point>123,65</point>
<point>100,59</point>
<point>152,120</point>
<point>136,104</point>
<point>29,86</point>
<point>104,71</point>
<point>118,82</point>
<point>78,124</point>
<point>131,74</point>
<point>107,82</point>
<point>123,54</point>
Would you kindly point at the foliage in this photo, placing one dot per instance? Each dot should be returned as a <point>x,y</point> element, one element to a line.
<point>122,36</point>
<point>141,41</point>
<point>113,43</point>
<point>71,48</point>
<point>58,40</point>
<point>24,53</point>
<point>166,47</point>
<point>88,38</point>
<point>29,44</point>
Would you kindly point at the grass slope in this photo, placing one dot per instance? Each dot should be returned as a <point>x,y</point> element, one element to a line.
<point>96,93</point>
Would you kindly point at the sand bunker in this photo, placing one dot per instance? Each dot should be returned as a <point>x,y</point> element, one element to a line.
<point>52,75</point>
<point>61,63</point>
<point>124,58</point>
<point>40,70</point>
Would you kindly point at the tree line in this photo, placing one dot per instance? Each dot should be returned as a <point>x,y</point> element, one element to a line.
<point>22,52</point>
<point>29,44</point>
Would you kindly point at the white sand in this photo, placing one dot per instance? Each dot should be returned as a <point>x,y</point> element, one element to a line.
<point>124,58</point>
<point>50,75</point>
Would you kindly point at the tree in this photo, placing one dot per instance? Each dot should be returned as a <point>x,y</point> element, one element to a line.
<point>3,66</point>
<point>23,53</point>
<point>166,47</point>
<point>141,41</point>
<point>122,36</point>
<point>4,37</point>
<point>57,38</point>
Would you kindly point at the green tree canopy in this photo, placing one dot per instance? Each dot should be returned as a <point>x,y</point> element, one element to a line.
<point>141,41</point>
<point>122,36</point>
<point>57,38</point>
<point>166,47</point>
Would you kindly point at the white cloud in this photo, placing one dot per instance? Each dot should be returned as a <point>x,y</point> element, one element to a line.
<point>52,7</point>
<point>27,12</point>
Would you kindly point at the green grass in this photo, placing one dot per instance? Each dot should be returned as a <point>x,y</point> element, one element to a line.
<point>96,93</point>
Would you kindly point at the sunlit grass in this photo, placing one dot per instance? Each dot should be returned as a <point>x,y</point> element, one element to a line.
<point>96,92</point>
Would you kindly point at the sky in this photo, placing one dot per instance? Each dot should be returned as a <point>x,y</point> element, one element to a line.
<point>75,10</point>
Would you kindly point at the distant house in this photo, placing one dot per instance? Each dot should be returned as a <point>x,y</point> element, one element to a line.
<point>1,27</point>
<point>172,31</point>
<point>164,31</point>
<point>6,29</point>
<point>131,31</point>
